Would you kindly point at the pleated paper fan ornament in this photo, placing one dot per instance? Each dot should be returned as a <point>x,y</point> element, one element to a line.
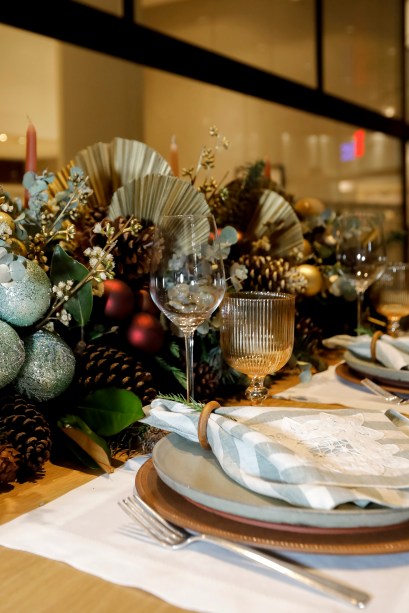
<point>131,159</point>
<point>276,219</point>
<point>108,166</point>
<point>149,198</point>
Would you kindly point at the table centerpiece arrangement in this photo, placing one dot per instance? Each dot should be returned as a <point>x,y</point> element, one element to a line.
<point>82,345</point>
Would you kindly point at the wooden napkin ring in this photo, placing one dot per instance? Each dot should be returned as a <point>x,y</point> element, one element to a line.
<point>374,339</point>
<point>203,419</point>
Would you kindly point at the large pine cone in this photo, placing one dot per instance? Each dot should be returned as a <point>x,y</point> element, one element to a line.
<point>271,275</point>
<point>100,366</point>
<point>8,463</point>
<point>27,431</point>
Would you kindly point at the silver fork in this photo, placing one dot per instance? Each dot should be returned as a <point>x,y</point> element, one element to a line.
<point>170,536</point>
<point>380,391</point>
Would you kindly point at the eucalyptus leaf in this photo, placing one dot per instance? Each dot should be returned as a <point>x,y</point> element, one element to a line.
<point>64,268</point>
<point>90,448</point>
<point>229,235</point>
<point>110,410</point>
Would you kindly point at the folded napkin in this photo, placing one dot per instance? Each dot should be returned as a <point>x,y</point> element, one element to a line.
<point>389,351</point>
<point>309,458</point>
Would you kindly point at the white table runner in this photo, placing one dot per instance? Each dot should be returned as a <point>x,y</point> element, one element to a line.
<point>87,530</point>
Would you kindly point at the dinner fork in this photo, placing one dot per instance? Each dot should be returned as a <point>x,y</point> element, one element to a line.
<point>170,536</point>
<point>380,391</point>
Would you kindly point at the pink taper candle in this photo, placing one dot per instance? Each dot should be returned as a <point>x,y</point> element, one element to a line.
<point>174,157</point>
<point>267,168</point>
<point>31,153</point>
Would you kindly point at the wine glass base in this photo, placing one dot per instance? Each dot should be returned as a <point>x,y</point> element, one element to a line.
<point>256,394</point>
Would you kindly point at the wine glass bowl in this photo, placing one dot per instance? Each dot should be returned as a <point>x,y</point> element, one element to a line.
<point>361,252</point>
<point>187,279</point>
<point>257,336</point>
<point>390,295</point>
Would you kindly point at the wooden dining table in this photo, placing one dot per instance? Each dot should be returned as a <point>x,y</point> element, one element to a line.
<point>33,584</point>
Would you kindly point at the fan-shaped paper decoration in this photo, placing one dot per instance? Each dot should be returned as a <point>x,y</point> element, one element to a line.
<point>111,165</point>
<point>275,217</point>
<point>131,159</point>
<point>152,196</point>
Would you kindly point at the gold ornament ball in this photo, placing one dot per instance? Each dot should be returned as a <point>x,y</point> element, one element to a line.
<point>17,246</point>
<point>8,220</point>
<point>306,248</point>
<point>308,207</point>
<point>313,277</point>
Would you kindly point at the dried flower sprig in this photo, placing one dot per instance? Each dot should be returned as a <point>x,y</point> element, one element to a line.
<point>49,220</point>
<point>101,267</point>
<point>207,159</point>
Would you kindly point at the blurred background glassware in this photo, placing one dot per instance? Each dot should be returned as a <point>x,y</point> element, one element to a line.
<point>361,252</point>
<point>257,336</point>
<point>187,280</point>
<point>390,295</point>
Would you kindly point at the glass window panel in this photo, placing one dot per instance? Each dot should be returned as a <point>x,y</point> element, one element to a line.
<point>362,53</point>
<point>335,162</point>
<point>277,35</point>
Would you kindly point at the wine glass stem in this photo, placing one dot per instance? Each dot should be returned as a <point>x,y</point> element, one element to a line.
<point>360,301</point>
<point>189,365</point>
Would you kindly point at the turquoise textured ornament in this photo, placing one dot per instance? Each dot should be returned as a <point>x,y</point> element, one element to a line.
<point>23,302</point>
<point>48,368</point>
<point>12,354</point>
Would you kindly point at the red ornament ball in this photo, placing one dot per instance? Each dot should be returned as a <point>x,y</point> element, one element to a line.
<point>120,300</point>
<point>146,333</point>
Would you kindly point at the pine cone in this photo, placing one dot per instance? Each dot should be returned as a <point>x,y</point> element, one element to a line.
<point>8,463</point>
<point>206,382</point>
<point>100,366</point>
<point>27,431</point>
<point>132,254</point>
<point>84,228</point>
<point>271,275</point>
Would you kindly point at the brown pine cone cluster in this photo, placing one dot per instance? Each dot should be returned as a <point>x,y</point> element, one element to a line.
<point>206,382</point>
<point>270,275</point>
<point>27,432</point>
<point>132,254</point>
<point>100,366</point>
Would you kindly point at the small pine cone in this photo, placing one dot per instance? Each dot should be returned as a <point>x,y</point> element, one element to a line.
<point>270,275</point>
<point>308,334</point>
<point>206,382</point>
<point>27,430</point>
<point>84,228</point>
<point>100,366</point>
<point>8,463</point>
<point>132,254</point>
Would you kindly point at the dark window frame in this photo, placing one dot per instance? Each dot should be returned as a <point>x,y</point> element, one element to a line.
<point>121,37</point>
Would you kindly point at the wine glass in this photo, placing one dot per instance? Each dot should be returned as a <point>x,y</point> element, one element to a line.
<point>390,295</point>
<point>257,336</point>
<point>187,280</point>
<point>361,252</point>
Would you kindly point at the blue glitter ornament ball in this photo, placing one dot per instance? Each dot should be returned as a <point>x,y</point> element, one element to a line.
<point>23,302</point>
<point>48,368</point>
<point>12,354</point>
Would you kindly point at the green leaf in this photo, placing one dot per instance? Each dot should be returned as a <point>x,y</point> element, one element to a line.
<point>110,410</point>
<point>88,447</point>
<point>63,268</point>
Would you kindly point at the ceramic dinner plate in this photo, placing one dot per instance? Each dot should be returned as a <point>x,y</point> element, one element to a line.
<point>195,474</point>
<point>344,372</point>
<point>377,371</point>
<point>182,512</point>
